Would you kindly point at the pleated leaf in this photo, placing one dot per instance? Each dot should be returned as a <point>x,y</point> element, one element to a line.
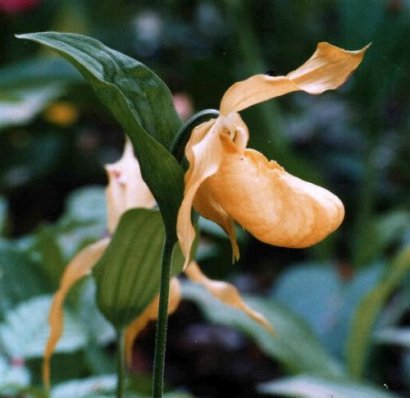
<point>141,103</point>
<point>128,274</point>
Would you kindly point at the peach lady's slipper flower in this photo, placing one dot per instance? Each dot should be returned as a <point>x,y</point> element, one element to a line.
<point>227,182</point>
<point>122,196</point>
<point>126,189</point>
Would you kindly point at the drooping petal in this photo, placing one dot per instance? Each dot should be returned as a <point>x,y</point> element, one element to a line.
<point>79,267</point>
<point>226,293</point>
<point>326,69</point>
<point>126,189</point>
<point>150,314</point>
<point>274,206</point>
<point>204,154</point>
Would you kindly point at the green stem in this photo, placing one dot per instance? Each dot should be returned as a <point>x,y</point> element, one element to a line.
<point>161,334</point>
<point>182,136</point>
<point>120,364</point>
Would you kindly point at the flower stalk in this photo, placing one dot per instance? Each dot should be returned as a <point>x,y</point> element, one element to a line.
<point>184,133</point>
<point>120,364</point>
<point>161,332</point>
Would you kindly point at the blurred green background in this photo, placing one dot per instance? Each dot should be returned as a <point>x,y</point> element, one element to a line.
<point>341,308</point>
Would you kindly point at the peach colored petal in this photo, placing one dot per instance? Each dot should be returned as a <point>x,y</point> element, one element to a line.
<point>209,208</point>
<point>204,153</point>
<point>150,314</point>
<point>79,267</point>
<point>274,206</point>
<point>226,293</point>
<point>326,69</point>
<point>126,189</point>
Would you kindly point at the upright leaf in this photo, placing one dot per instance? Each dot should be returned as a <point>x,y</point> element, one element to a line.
<point>142,104</point>
<point>360,337</point>
<point>128,274</point>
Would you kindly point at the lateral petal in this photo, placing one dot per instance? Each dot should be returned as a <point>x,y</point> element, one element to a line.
<point>226,293</point>
<point>79,267</point>
<point>274,206</point>
<point>150,314</point>
<point>204,154</point>
<point>326,69</point>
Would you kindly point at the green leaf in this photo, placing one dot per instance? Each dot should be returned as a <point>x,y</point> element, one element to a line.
<point>37,72</point>
<point>293,344</point>
<point>87,204</point>
<point>99,387</point>
<point>98,329</point>
<point>26,88</point>
<point>35,160</point>
<point>22,105</point>
<point>51,262</point>
<point>128,274</point>
<point>392,227</point>
<point>306,386</point>
<point>317,308</point>
<point>141,103</point>
<point>19,277</point>
<point>385,232</point>
<point>95,387</point>
<point>3,213</point>
<point>12,376</point>
<point>24,332</point>
<point>360,336</point>
<point>331,303</point>
<point>397,336</point>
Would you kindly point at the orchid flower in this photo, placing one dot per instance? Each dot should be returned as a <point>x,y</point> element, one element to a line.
<point>126,190</point>
<point>227,182</point>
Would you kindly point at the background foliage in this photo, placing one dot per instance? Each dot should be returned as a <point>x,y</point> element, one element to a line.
<point>340,309</point>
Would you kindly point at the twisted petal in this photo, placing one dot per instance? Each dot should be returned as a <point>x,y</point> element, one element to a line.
<point>204,154</point>
<point>150,314</point>
<point>326,69</point>
<point>126,188</point>
<point>274,206</point>
<point>226,293</point>
<point>78,268</point>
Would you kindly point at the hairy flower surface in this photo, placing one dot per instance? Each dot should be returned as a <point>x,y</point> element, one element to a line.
<point>227,182</point>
